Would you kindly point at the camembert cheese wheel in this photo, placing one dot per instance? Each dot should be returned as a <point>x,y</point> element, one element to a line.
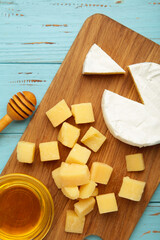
<point>131,122</point>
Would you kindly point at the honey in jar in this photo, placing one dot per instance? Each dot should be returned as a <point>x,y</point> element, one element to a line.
<point>26,208</point>
<point>20,210</point>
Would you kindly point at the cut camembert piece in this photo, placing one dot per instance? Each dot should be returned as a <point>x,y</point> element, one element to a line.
<point>99,62</point>
<point>132,122</point>
<point>146,77</point>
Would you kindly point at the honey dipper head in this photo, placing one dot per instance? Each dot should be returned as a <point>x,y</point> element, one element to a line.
<point>21,105</point>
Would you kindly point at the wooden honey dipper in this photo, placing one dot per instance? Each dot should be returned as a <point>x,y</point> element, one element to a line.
<point>20,107</point>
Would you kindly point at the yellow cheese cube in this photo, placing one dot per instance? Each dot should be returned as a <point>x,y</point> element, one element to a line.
<point>59,113</point>
<point>68,135</point>
<point>83,113</point>
<point>74,223</point>
<point>56,177</point>
<point>84,206</point>
<point>74,174</point>
<point>93,139</point>
<point>49,151</point>
<point>78,154</point>
<point>135,162</point>
<point>100,172</point>
<point>25,151</point>
<point>107,203</point>
<point>71,192</point>
<point>131,189</point>
<point>87,189</point>
<point>95,193</point>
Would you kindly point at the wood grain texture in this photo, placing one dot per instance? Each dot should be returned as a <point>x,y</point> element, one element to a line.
<point>126,47</point>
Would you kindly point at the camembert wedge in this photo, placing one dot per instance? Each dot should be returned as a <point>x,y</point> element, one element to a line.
<point>99,62</point>
<point>146,77</point>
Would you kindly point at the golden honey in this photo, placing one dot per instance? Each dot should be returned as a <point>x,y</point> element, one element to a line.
<point>20,210</point>
<point>26,208</point>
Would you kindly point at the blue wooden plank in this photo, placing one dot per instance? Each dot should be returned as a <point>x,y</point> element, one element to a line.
<point>156,196</point>
<point>24,77</point>
<point>148,227</point>
<point>29,37</point>
<point>7,145</point>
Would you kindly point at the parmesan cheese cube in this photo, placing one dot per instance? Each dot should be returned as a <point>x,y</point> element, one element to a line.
<point>74,223</point>
<point>93,139</point>
<point>56,177</point>
<point>135,162</point>
<point>107,203</point>
<point>87,189</point>
<point>95,192</point>
<point>59,113</point>
<point>131,189</point>
<point>83,113</point>
<point>78,154</point>
<point>84,206</point>
<point>68,135</point>
<point>100,172</point>
<point>71,192</point>
<point>25,152</point>
<point>49,151</point>
<point>74,174</point>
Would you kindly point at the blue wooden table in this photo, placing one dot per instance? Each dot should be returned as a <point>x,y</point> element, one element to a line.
<point>35,36</point>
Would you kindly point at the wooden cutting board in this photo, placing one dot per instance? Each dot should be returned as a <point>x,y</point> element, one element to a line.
<point>125,47</point>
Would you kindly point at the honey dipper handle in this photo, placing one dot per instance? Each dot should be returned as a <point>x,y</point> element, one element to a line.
<point>4,122</point>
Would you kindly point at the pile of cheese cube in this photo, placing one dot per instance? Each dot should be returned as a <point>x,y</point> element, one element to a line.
<point>73,177</point>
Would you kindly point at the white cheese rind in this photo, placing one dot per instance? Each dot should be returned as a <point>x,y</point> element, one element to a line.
<point>99,62</point>
<point>129,121</point>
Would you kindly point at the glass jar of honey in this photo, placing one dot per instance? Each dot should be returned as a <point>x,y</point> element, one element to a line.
<point>26,208</point>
